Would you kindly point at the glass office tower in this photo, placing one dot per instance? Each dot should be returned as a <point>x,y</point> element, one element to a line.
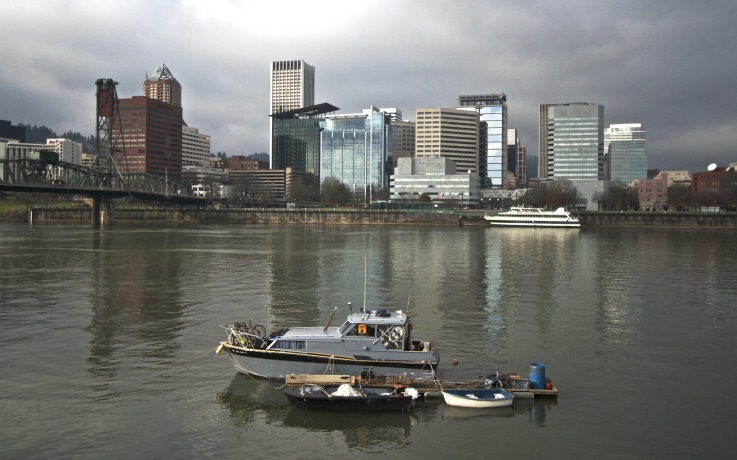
<point>492,110</point>
<point>354,151</point>
<point>295,138</point>
<point>571,141</point>
<point>626,154</point>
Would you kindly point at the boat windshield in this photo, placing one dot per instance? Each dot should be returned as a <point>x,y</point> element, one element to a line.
<point>358,330</point>
<point>345,327</point>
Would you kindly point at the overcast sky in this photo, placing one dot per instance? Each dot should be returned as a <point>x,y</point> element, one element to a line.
<point>670,65</point>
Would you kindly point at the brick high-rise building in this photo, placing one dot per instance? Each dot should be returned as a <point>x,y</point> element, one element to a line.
<point>152,133</point>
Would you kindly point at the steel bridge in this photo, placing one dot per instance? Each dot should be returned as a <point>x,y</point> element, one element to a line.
<point>44,175</point>
<point>41,171</point>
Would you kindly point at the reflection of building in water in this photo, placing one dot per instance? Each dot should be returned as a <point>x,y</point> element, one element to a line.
<point>538,275</point>
<point>293,280</point>
<point>134,297</point>
<point>616,316</point>
<point>447,281</point>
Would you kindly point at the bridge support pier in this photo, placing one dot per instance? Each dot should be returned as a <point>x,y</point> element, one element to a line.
<point>102,210</point>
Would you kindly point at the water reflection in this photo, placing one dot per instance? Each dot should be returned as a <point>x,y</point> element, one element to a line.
<point>249,400</point>
<point>134,298</point>
<point>252,402</point>
<point>386,431</point>
<point>536,409</point>
<point>464,413</point>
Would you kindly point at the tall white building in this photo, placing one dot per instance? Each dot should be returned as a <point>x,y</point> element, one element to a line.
<point>68,150</point>
<point>292,86</point>
<point>195,147</point>
<point>449,133</point>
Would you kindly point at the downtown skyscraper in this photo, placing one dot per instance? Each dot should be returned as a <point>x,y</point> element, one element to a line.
<point>492,110</point>
<point>625,153</point>
<point>571,141</point>
<point>292,87</point>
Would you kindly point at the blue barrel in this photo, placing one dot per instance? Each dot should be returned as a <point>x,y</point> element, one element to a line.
<point>537,376</point>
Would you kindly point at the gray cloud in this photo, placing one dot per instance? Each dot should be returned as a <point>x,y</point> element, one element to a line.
<point>667,64</point>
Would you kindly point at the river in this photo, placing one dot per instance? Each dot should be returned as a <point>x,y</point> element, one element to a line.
<point>107,338</point>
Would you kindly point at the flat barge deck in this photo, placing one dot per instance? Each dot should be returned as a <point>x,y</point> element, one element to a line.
<point>427,387</point>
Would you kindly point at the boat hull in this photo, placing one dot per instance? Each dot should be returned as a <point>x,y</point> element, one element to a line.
<point>534,217</point>
<point>535,224</point>
<point>478,398</point>
<point>277,364</point>
<point>373,400</point>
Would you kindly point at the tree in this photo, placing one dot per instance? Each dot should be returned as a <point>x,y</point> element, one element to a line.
<point>680,197</point>
<point>304,189</point>
<point>553,194</point>
<point>383,194</point>
<point>333,191</point>
<point>619,198</point>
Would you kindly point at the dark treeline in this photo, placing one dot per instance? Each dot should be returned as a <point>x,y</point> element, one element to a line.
<point>39,134</point>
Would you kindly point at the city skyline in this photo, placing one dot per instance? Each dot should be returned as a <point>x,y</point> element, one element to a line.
<point>656,63</point>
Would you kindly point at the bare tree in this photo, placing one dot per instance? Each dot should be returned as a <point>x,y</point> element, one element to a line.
<point>553,194</point>
<point>333,191</point>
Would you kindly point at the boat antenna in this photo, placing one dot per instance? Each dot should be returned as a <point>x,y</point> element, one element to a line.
<point>324,329</point>
<point>364,283</point>
<point>408,296</point>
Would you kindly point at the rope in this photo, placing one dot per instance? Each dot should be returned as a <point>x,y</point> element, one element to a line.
<point>193,357</point>
<point>330,366</point>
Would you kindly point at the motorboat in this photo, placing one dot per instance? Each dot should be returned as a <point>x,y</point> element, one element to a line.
<point>351,398</point>
<point>478,397</point>
<point>376,341</point>
<point>520,216</point>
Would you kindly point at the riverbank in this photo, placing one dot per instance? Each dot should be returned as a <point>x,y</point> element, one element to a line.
<point>352,216</point>
<point>46,215</point>
<point>349,216</point>
<point>658,219</point>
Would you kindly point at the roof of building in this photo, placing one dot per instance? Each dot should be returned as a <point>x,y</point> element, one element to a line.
<point>162,72</point>
<point>304,112</point>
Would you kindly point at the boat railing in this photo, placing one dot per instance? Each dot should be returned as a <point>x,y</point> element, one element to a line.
<point>241,335</point>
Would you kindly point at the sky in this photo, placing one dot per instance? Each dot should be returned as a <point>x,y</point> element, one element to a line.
<point>668,64</point>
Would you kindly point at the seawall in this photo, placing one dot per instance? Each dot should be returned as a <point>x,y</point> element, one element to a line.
<point>658,219</point>
<point>252,216</point>
<point>369,217</point>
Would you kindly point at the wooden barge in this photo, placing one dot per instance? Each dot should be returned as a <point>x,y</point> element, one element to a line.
<point>426,387</point>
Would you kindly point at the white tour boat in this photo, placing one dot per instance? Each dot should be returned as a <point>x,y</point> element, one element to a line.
<point>519,216</point>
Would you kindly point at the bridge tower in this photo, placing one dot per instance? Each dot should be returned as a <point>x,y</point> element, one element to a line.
<point>110,149</point>
<point>110,145</point>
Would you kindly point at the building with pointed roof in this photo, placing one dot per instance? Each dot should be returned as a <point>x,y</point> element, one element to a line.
<point>163,86</point>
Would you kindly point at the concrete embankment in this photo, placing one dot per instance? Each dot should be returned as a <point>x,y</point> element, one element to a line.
<point>368,217</point>
<point>658,219</point>
<point>253,216</point>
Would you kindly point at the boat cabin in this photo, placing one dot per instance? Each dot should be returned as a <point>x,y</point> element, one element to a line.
<point>365,330</point>
<point>391,329</point>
